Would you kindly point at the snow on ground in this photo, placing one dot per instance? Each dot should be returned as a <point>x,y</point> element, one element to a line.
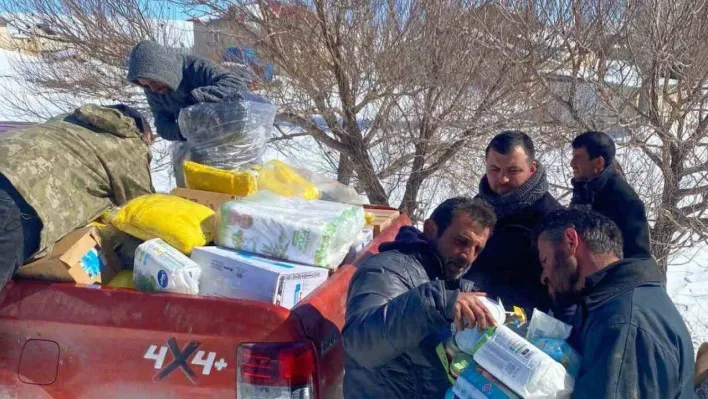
<point>688,287</point>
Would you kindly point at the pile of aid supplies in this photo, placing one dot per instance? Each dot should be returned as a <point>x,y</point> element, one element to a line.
<point>514,359</point>
<point>241,227</point>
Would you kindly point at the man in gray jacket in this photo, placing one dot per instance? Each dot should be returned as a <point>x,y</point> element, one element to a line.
<point>174,81</point>
<point>403,300</point>
<point>632,340</point>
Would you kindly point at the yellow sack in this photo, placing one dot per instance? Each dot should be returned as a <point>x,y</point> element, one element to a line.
<point>179,222</point>
<point>281,179</point>
<point>207,178</point>
<point>124,279</point>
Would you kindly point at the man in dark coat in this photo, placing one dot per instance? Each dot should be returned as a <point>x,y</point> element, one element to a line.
<point>596,185</point>
<point>402,302</point>
<point>173,81</point>
<point>633,341</point>
<point>515,185</point>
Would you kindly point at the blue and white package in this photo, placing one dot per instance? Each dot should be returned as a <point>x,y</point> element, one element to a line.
<point>561,352</point>
<point>234,274</point>
<point>159,267</point>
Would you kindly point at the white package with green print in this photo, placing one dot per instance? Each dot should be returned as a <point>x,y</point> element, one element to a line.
<point>522,367</point>
<point>311,232</point>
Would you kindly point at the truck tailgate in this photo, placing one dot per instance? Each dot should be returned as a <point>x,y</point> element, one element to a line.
<point>64,340</point>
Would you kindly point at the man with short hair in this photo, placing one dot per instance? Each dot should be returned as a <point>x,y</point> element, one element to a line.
<point>632,340</point>
<point>403,300</point>
<point>515,185</point>
<point>62,174</point>
<point>596,185</point>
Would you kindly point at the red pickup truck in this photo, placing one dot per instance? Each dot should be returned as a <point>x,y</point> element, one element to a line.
<point>62,340</point>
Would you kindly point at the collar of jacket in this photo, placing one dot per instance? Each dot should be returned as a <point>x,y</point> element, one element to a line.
<point>521,198</point>
<point>411,241</point>
<point>584,191</point>
<point>619,278</point>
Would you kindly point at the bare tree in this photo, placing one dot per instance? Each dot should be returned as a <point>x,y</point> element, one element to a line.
<point>637,70</point>
<point>395,90</point>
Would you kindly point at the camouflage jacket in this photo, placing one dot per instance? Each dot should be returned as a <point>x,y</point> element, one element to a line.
<point>73,167</point>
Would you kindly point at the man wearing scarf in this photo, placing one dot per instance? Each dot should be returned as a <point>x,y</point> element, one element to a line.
<point>515,186</point>
<point>598,186</point>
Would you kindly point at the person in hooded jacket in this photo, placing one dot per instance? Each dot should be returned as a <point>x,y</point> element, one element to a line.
<point>516,187</point>
<point>174,81</point>
<point>62,174</point>
<point>403,300</point>
<point>632,340</point>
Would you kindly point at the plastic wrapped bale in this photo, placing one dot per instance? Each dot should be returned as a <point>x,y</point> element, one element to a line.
<point>229,135</point>
<point>312,232</point>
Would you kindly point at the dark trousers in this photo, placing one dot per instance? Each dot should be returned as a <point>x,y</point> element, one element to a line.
<point>20,230</point>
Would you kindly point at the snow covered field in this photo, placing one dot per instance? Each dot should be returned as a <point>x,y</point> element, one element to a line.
<point>688,270</point>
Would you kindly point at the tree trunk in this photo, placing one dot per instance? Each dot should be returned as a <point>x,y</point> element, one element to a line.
<point>409,204</point>
<point>345,170</point>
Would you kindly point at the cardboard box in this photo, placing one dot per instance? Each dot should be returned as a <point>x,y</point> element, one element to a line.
<point>232,274</point>
<point>206,198</point>
<point>383,219</point>
<point>80,256</point>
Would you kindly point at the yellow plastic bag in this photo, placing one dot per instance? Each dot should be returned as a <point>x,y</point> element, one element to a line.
<point>124,279</point>
<point>179,222</point>
<point>281,179</point>
<point>207,178</point>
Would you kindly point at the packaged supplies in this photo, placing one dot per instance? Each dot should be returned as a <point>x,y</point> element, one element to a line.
<point>560,351</point>
<point>521,366</point>
<point>179,222</point>
<point>281,179</point>
<point>475,383</point>
<point>229,135</point>
<point>159,267</point>
<point>330,189</point>
<point>467,338</point>
<point>207,178</point>
<point>232,274</point>
<point>124,279</point>
<point>545,326</point>
<point>459,363</point>
<point>81,256</point>
<point>318,233</point>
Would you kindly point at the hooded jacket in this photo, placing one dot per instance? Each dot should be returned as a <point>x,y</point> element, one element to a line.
<point>633,341</point>
<point>399,309</point>
<point>191,80</point>
<point>73,167</point>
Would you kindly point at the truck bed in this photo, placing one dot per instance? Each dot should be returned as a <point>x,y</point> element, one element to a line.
<point>64,340</point>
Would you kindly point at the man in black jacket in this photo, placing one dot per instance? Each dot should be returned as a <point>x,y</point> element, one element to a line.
<point>633,341</point>
<point>402,302</point>
<point>596,185</point>
<point>515,185</point>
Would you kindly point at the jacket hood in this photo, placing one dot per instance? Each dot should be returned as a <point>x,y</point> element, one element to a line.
<point>618,278</point>
<point>149,60</point>
<point>107,119</point>
<point>407,237</point>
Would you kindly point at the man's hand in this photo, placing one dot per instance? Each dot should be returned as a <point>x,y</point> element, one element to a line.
<point>473,311</point>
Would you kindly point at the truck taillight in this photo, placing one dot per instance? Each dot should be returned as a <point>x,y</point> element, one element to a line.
<point>276,371</point>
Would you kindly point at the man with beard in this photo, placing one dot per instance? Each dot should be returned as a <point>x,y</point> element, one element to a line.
<point>402,300</point>
<point>515,185</point>
<point>633,341</point>
<point>596,185</point>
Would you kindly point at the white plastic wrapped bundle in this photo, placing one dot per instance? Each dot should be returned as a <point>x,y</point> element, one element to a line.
<point>311,232</point>
<point>159,267</point>
<point>522,367</point>
<point>228,135</point>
